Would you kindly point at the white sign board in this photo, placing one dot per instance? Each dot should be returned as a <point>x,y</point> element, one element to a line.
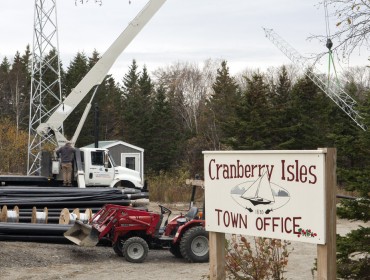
<point>275,194</point>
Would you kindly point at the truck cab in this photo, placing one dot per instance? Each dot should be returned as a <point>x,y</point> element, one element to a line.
<point>95,167</point>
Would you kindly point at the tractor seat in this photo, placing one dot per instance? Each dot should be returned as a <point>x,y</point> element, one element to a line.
<point>193,211</point>
<point>161,231</point>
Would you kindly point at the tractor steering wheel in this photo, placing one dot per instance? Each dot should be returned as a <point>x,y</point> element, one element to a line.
<point>164,209</point>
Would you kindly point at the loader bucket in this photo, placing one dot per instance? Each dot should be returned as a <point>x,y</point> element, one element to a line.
<point>82,234</point>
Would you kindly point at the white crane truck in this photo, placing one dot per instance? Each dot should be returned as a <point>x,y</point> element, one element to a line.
<point>93,166</point>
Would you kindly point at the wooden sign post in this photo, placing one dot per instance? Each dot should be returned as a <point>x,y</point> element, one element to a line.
<point>287,195</point>
<point>217,255</point>
<point>326,254</point>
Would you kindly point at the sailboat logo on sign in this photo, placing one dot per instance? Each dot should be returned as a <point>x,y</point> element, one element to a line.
<point>261,195</point>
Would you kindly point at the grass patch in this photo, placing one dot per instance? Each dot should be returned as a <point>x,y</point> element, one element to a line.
<point>169,187</point>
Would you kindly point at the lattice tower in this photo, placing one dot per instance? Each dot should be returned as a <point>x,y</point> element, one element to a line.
<point>333,90</point>
<point>46,93</point>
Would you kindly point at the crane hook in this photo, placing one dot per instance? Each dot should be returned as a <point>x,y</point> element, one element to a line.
<point>329,44</point>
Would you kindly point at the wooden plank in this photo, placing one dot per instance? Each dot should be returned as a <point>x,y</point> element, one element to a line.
<point>217,256</point>
<point>193,182</point>
<point>326,254</point>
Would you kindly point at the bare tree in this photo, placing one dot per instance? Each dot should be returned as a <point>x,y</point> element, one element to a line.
<point>189,87</point>
<point>352,26</point>
<point>359,75</point>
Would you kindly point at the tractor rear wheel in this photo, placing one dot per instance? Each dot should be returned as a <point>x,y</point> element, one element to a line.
<point>135,249</point>
<point>194,245</point>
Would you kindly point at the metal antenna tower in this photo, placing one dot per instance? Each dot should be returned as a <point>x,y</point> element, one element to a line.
<point>46,93</point>
<point>333,90</point>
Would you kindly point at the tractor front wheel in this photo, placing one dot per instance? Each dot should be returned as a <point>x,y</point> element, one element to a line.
<point>175,250</point>
<point>135,249</point>
<point>117,247</point>
<point>194,245</point>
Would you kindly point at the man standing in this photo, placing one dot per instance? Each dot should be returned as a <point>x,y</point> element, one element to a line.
<point>66,154</point>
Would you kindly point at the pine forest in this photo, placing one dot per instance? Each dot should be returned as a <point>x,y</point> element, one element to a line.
<point>178,111</point>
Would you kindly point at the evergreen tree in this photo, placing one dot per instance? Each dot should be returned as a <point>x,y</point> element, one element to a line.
<point>76,71</point>
<point>345,137</point>
<point>145,108</point>
<point>106,97</point>
<point>145,83</point>
<point>130,90</point>
<point>130,80</point>
<point>281,110</point>
<point>223,102</point>
<point>251,125</point>
<point>27,69</point>
<point>49,78</point>
<point>5,87</point>
<point>164,145</point>
<point>309,116</point>
<point>137,90</point>
<point>106,101</point>
<point>109,110</point>
<point>93,59</point>
<point>19,79</point>
<point>353,175</point>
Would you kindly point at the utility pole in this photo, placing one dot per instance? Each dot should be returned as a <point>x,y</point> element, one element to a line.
<point>46,93</point>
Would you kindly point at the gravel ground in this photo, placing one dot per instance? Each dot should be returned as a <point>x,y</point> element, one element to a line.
<point>23,260</point>
<point>28,261</point>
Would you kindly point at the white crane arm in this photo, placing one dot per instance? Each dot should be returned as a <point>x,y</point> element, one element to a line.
<point>98,72</point>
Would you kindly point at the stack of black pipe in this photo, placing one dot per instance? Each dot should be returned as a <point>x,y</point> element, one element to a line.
<point>66,197</point>
<point>52,233</point>
<point>55,199</point>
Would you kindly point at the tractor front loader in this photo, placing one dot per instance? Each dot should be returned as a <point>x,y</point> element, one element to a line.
<point>133,231</point>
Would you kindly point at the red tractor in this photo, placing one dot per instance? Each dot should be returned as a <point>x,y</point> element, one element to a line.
<point>133,231</point>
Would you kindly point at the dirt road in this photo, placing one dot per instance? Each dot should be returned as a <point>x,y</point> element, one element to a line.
<point>38,261</point>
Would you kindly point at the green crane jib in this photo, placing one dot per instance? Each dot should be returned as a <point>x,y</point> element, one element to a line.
<point>333,90</point>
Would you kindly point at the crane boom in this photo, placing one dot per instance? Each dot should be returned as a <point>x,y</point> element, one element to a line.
<point>98,72</point>
<point>333,90</point>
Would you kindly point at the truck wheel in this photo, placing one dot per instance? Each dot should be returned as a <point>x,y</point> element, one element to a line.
<point>135,249</point>
<point>194,245</point>
<point>117,247</point>
<point>124,185</point>
<point>175,250</point>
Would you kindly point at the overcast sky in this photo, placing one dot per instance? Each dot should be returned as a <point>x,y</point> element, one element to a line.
<point>181,31</point>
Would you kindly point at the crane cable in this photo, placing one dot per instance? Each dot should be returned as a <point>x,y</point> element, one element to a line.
<point>329,44</point>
